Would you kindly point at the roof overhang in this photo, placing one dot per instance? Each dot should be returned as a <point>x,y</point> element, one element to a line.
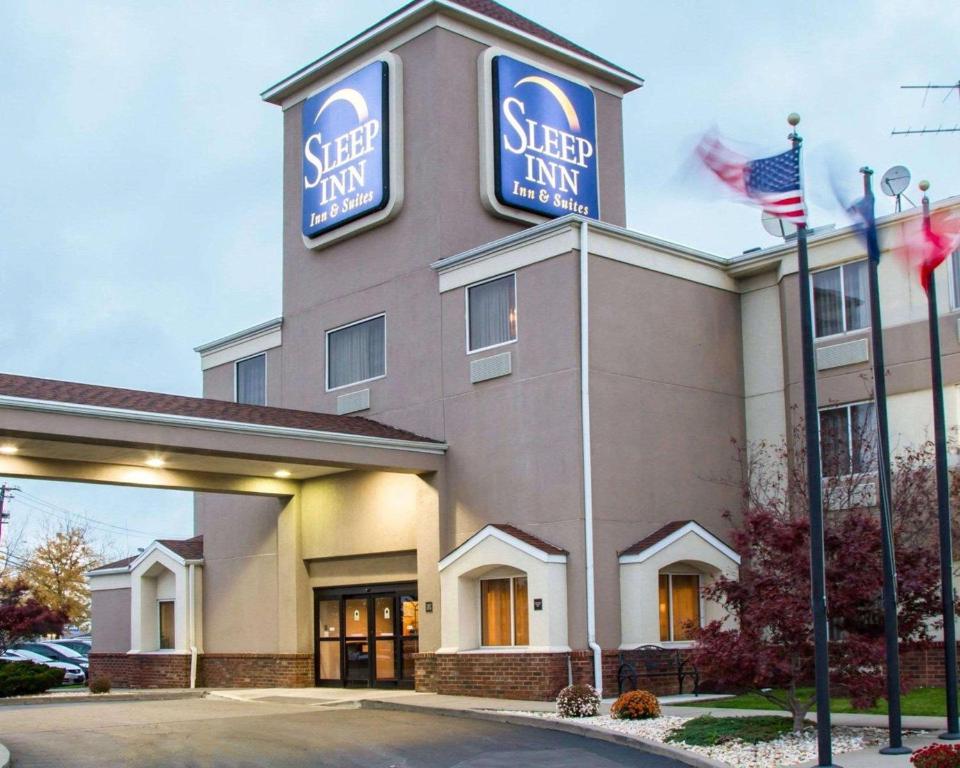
<point>492,532</point>
<point>690,528</point>
<point>416,12</point>
<point>89,443</point>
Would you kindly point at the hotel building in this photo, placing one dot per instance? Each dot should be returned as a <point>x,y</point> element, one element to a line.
<point>488,442</point>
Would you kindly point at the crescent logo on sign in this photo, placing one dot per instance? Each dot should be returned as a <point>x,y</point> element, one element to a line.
<point>562,99</point>
<point>353,98</point>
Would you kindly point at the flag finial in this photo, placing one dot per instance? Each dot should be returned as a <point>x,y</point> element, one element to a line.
<point>794,119</point>
<point>924,185</point>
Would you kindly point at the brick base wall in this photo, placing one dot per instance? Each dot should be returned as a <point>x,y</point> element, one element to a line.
<point>255,670</point>
<point>532,676</point>
<point>921,666</point>
<point>214,670</point>
<point>142,670</point>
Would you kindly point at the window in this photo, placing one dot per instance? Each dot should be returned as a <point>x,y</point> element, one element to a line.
<point>492,313</point>
<point>356,352</point>
<point>848,439</point>
<point>251,375</point>
<point>955,280</point>
<point>166,622</point>
<point>841,299</point>
<point>503,611</point>
<point>679,605</point>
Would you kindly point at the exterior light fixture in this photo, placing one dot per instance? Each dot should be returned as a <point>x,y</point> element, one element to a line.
<point>283,474</point>
<point>155,461</point>
<point>8,449</point>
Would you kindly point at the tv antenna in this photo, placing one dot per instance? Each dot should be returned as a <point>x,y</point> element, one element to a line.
<point>927,88</point>
<point>894,183</point>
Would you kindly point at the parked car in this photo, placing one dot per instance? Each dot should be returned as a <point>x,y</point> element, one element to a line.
<point>71,672</point>
<point>77,644</point>
<point>56,652</point>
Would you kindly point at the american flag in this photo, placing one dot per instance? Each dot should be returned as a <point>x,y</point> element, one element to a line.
<point>773,183</point>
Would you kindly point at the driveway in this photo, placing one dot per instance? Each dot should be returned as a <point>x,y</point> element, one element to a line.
<point>210,732</point>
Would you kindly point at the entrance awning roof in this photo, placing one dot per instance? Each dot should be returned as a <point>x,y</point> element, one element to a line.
<point>86,432</point>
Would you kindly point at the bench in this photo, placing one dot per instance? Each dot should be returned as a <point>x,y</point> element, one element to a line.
<point>654,661</point>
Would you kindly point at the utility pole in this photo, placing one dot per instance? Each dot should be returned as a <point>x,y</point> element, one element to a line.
<point>6,492</point>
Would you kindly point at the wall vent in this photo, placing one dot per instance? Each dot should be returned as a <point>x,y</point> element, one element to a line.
<point>493,367</point>
<point>837,355</point>
<point>353,402</point>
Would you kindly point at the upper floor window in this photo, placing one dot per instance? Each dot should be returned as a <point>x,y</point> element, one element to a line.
<point>492,313</point>
<point>504,619</point>
<point>251,377</point>
<point>356,352</point>
<point>841,299</point>
<point>955,280</point>
<point>848,439</point>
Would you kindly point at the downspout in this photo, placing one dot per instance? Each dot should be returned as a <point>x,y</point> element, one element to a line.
<point>191,623</point>
<point>587,461</point>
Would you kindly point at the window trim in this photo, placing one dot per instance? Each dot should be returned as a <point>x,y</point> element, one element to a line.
<point>848,407</point>
<point>513,614</point>
<point>516,310</point>
<point>160,602</point>
<point>236,378</point>
<point>843,303</point>
<point>700,602</point>
<point>952,283</point>
<point>326,352</point>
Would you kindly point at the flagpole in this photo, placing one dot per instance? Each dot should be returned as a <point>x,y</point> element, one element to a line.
<point>890,621</point>
<point>811,414</point>
<point>943,500</point>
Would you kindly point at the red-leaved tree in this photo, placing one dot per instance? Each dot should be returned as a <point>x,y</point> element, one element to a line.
<point>766,644</point>
<point>22,617</point>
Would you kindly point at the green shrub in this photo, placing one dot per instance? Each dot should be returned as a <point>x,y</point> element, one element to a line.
<point>635,705</point>
<point>708,731</point>
<point>100,684</point>
<point>578,701</point>
<point>22,678</point>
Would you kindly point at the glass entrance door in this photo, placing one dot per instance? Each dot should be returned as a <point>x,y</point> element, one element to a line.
<point>366,636</point>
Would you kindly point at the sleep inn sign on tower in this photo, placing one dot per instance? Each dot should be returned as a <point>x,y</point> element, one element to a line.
<point>459,460</point>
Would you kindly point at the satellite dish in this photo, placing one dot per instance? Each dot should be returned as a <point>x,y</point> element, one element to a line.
<point>778,227</point>
<point>895,181</point>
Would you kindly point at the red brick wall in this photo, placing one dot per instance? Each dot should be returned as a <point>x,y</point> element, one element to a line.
<point>214,670</point>
<point>142,670</point>
<point>532,676</point>
<point>922,665</point>
<point>255,670</point>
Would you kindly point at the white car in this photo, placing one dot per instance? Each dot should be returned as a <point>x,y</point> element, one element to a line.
<point>71,672</point>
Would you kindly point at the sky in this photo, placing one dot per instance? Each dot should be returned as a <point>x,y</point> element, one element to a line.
<point>140,198</point>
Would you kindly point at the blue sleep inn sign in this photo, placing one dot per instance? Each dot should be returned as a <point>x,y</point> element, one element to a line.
<point>545,141</point>
<point>345,150</point>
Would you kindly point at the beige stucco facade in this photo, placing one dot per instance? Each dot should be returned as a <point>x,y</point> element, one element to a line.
<point>610,416</point>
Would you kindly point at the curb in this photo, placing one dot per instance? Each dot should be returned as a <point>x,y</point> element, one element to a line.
<point>98,697</point>
<point>577,729</point>
<point>4,757</point>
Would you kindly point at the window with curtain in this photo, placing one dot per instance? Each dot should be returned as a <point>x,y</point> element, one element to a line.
<point>492,312</point>
<point>252,380</point>
<point>848,439</point>
<point>356,352</point>
<point>166,623</point>
<point>841,299</point>
<point>679,605</point>
<point>504,617</point>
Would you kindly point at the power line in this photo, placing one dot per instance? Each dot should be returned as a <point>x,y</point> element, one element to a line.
<point>48,507</point>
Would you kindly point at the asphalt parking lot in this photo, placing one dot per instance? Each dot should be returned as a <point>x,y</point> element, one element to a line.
<point>210,732</point>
